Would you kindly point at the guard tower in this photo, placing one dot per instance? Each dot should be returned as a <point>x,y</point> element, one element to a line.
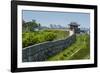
<point>73,26</point>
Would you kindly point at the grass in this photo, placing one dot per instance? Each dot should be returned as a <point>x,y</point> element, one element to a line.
<point>78,50</point>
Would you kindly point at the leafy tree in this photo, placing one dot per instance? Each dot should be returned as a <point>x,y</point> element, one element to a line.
<point>29,26</point>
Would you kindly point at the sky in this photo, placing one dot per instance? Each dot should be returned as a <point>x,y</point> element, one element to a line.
<point>45,18</point>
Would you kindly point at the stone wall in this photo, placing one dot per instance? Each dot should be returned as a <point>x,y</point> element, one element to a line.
<point>40,52</point>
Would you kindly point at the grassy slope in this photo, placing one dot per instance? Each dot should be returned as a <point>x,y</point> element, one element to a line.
<point>79,50</point>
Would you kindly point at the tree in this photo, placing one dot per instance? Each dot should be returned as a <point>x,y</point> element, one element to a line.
<point>29,26</point>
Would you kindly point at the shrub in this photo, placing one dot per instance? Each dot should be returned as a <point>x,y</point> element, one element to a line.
<point>49,36</point>
<point>27,39</point>
<point>31,38</point>
<point>38,38</point>
<point>61,58</point>
<point>65,55</point>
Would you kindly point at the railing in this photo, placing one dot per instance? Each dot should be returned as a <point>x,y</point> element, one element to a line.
<point>41,52</point>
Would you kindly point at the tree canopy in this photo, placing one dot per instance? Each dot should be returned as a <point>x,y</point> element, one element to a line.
<point>30,26</point>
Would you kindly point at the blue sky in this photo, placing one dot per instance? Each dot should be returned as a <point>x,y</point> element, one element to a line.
<point>45,18</point>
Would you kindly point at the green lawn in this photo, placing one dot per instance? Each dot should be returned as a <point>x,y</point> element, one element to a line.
<point>78,50</point>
